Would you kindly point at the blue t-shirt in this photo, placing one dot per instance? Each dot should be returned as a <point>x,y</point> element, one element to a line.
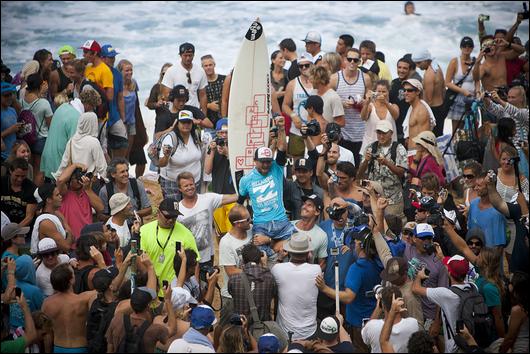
<point>9,118</point>
<point>490,221</point>
<point>336,240</point>
<point>266,194</point>
<point>362,276</point>
<point>490,292</point>
<point>114,114</point>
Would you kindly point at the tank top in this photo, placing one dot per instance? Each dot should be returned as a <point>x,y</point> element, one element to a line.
<point>369,134</point>
<point>468,83</point>
<point>355,126</point>
<point>63,80</point>
<point>299,99</point>
<point>130,108</point>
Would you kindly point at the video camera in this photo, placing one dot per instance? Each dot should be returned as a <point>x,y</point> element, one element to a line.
<point>313,128</point>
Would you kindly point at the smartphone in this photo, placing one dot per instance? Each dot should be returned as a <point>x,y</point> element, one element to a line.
<point>459,326</point>
<point>134,247</point>
<point>178,247</point>
<point>137,217</point>
<point>18,292</point>
<point>165,284</point>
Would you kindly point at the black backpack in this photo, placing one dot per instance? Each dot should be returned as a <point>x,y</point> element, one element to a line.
<point>98,321</point>
<point>133,341</point>
<point>476,315</point>
<point>134,186</point>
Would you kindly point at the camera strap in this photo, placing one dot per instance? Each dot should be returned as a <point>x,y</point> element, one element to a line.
<point>302,86</point>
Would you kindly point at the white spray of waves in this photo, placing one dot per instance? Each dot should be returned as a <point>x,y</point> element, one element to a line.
<point>148,33</point>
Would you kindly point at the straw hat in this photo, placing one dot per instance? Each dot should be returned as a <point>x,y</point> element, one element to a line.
<point>428,141</point>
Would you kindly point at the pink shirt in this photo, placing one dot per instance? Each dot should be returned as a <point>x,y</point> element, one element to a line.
<point>77,211</point>
<point>426,165</point>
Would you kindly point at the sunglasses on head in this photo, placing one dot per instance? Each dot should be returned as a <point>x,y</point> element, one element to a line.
<point>355,60</point>
<point>304,66</point>
<point>188,75</point>
<point>468,176</point>
<point>242,220</point>
<point>410,90</point>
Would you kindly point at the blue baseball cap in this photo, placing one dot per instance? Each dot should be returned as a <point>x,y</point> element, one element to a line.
<point>7,87</point>
<point>202,317</point>
<point>268,343</point>
<point>423,230</point>
<point>108,51</point>
<point>221,124</point>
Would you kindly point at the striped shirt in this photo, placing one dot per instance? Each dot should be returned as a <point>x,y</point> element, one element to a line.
<point>355,126</point>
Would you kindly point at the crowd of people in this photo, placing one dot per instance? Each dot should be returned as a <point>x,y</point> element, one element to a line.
<point>385,215</point>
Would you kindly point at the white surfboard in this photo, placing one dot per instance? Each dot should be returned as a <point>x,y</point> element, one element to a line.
<point>249,105</point>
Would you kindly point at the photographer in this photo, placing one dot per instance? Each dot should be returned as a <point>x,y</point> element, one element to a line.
<point>75,186</point>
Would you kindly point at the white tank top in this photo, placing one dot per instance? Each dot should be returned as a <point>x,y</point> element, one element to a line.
<point>35,234</point>
<point>355,126</point>
<point>468,83</point>
<point>299,99</point>
<point>369,134</point>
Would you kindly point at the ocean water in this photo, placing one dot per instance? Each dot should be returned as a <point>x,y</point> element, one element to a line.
<point>148,33</point>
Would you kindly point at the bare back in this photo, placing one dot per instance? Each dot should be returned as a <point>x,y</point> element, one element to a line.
<point>419,121</point>
<point>68,313</point>
<point>436,82</point>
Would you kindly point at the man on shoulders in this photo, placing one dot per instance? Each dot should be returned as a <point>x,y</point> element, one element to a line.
<point>397,93</point>
<point>288,49</point>
<point>214,89</point>
<point>368,50</point>
<point>344,43</point>
<point>302,186</point>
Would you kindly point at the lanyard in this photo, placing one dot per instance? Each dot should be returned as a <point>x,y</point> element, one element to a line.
<point>168,236</point>
<point>337,238</point>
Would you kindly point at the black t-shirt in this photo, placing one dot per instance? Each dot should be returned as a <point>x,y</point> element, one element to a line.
<point>221,177</point>
<point>214,91</point>
<point>293,72</point>
<point>14,204</point>
<point>397,96</point>
<point>519,260</point>
<point>166,118</point>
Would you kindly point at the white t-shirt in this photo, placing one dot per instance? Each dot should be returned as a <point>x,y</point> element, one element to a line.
<point>230,255</point>
<point>43,275</point>
<point>199,220</point>
<point>187,158</point>
<point>123,232</point>
<point>176,75</point>
<point>332,105</point>
<point>344,154</point>
<point>399,337</point>
<point>448,302</point>
<point>34,248</point>
<point>297,293</point>
<point>319,241</point>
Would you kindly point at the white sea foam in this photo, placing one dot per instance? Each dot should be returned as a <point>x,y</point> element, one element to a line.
<point>148,33</point>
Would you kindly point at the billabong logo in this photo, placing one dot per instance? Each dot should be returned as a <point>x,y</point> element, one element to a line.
<point>254,32</point>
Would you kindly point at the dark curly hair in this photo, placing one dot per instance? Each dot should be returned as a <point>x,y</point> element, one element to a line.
<point>420,342</point>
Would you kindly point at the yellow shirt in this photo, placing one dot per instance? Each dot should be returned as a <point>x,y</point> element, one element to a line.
<point>162,254</point>
<point>101,75</point>
<point>384,73</point>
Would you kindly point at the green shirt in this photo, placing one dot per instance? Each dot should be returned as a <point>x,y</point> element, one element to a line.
<point>14,346</point>
<point>162,254</point>
<point>62,128</point>
<point>489,291</point>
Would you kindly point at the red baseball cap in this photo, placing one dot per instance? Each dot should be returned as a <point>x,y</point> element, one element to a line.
<point>457,265</point>
<point>92,45</point>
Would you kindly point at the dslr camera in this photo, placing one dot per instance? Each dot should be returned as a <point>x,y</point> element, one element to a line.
<point>376,292</point>
<point>220,141</point>
<point>335,212</point>
<point>206,269</point>
<point>313,128</point>
<point>333,134</point>
<point>78,173</point>
<point>436,218</point>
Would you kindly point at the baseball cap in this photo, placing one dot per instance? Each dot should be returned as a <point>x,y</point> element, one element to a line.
<point>141,297</point>
<point>268,343</point>
<point>91,45</point>
<point>410,226</point>
<point>395,269</point>
<point>118,202</point>
<point>185,115</point>
<point>202,317</point>
<point>384,126</point>
<point>421,55</point>
<point>305,57</point>
<point>414,82</point>
<point>303,164</point>
<point>66,49</point>
<point>44,192</point>
<point>108,51</point>
<point>47,245</point>
<point>186,47</point>
<point>103,278</point>
<point>170,208</point>
<point>312,36</point>
<point>222,124</point>
<point>181,297</point>
<point>426,203</point>
<point>12,229</point>
<point>7,87</point>
<point>467,41</point>
<point>423,230</point>
<point>179,91</point>
<point>457,265</point>
<point>263,154</point>
<point>316,200</point>
<point>329,328</point>
<point>182,346</point>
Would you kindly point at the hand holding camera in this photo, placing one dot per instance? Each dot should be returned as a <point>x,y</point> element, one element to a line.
<point>167,149</point>
<point>312,128</point>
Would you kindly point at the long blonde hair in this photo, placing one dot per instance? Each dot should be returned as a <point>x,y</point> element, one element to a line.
<point>489,263</point>
<point>130,86</point>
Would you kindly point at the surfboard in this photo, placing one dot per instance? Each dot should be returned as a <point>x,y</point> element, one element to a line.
<point>249,104</point>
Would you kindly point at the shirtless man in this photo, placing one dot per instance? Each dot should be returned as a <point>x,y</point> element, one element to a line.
<point>67,311</point>
<point>345,187</point>
<point>419,116</point>
<point>434,86</point>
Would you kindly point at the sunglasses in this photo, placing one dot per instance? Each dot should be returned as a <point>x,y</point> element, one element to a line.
<point>355,60</point>
<point>51,254</point>
<point>242,220</point>
<point>304,66</point>
<point>474,243</point>
<point>168,217</point>
<point>468,176</point>
<point>467,46</point>
<point>188,75</point>
<point>410,90</point>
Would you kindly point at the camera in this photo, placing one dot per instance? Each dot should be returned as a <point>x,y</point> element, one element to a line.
<point>333,175</point>
<point>525,13</point>
<point>487,94</point>
<point>483,18</point>
<point>333,133</point>
<point>429,249</point>
<point>365,183</point>
<point>220,141</point>
<point>376,292</point>
<point>514,160</point>
<point>435,219</point>
<point>415,265</point>
<point>492,176</point>
<point>206,269</point>
<point>274,131</point>
<point>487,49</point>
<point>374,95</point>
<point>78,173</point>
<point>335,212</point>
<point>502,91</point>
<point>313,128</point>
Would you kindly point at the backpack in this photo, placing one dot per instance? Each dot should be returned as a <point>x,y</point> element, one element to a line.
<point>375,146</point>
<point>476,316</point>
<point>133,341</point>
<point>30,133</point>
<point>101,110</point>
<point>153,151</point>
<point>81,279</point>
<point>98,321</point>
<point>134,186</point>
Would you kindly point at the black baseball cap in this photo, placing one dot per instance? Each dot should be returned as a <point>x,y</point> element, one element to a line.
<point>170,208</point>
<point>467,41</point>
<point>316,200</point>
<point>179,91</point>
<point>103,278</point>
<point>186,47</point>
<point>303,164</point>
